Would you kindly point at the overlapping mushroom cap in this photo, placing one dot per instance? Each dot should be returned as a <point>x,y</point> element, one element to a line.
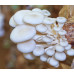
<point>36,34</point>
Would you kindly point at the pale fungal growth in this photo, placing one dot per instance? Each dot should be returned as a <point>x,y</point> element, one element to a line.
<point>53,62</point>
<point>60,56</point>
<point>62,32</point>
<point>59,48</point>
<point>41,28</point>
<point>63,43</point>
<point>33,18</point>
<point>29,56</point>
<point>61,21</point>
<point>43,57</point>
<point>68,47</point>
<point>49,51</point>
<point>70,52</point>
<point>36,34</point>
<point>38,51</point>
<point>12,22</point>
<point>27,46</point>
<point>22,33</point>
<point>46,12</point>
<point>21,14</point>
<point>49,21</point>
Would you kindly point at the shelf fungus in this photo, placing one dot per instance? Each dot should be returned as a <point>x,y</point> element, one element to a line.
<point>36,34</point>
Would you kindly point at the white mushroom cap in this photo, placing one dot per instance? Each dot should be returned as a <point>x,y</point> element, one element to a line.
<point>36,37</point>
<point>37,10</point>
<point>12,22</point>
<point>18,16</point>
<point>49,51</point>
<point>47,39</point>
<point>22,33</point>
<point>60,56</point>
<point>53,62</point>
<point>38,51</point>
<point>57,28</point>
<point>27,46</point>
<point>68,47</point>
<point>43,57</point>
<point>63,43</point>
<point>61,19</point>
<point>59,48</point>
<point>49,20</point>
<point>2,32</point>
<point>33,18</point>
<point>62,32</point>
<point>41,28</point>
<point>29,56</point>
<point>46,12</point>
<point>70,52</point>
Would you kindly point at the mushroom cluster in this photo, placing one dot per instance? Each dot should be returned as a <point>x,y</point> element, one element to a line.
<point>2,32</point>
<point>37,34</point>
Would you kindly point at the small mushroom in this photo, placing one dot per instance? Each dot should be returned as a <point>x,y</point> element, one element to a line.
<point>49,51</point>
<point>60,56</point>
<point>49,21</point>
<point>70,52</point>
<point>61,21</point>
<point>36,37</point>
<point>22,33</point>
<point>53,62</point>
<point>33,18</point>
<point>62,32</point>
<point>29,56</point>
<point>18,16</point>
<point>37,10</point>
<point>41,28</point>
<point>59,48</point>
<point>39,50</point>
<point>46,12</point>
<point>27,46</point>
<point>12,22</point>
<point>43,57</point>
<point>47,39</point>
<point>57,28</point>
<point>68,47</point>
<point>63,43</point>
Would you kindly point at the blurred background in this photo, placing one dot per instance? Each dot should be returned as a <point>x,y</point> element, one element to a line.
<point>11,58</point>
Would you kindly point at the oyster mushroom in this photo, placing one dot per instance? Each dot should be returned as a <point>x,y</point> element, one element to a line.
<point>18,16</point>
<point>49,21</point>
<point>46,12</point>
<point>33,18</point>
<point>47,39</point>
<point>27,46</point>
<point>29,56</point>
<point>68,47</point>
<point>59,48</point>
<point>63,43</point>
<point>60,56</point>
<point>41,28</point>
<point>37,10</point>
<point>12,22</point>
<point>61,21</point>
<point>62,32</point>
<point>39,50</point>
<point>43,57</point>
<point>22,33</point>
<point>70,52</point>
<point>53,62</point>
<point>49,51</point>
